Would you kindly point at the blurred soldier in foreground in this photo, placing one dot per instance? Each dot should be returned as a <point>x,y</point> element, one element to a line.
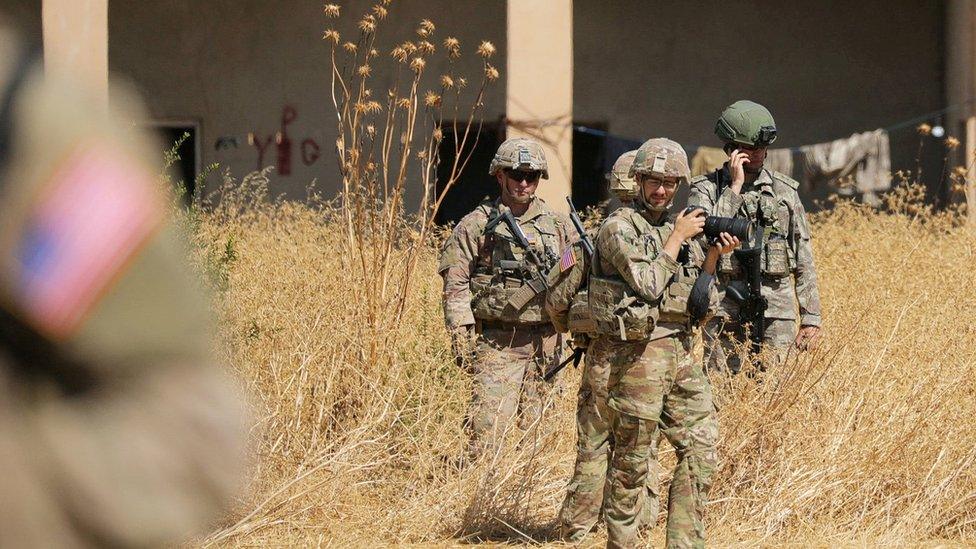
<point>494,292</point>
<point>645,274</point>
<point>116,427</point>
<point>568,307</point>
<point>743,188</point>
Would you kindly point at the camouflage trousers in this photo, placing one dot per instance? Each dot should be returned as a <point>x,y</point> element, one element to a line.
<point>594,444</point>
<point>726,343</point>
<point>658,385</point>
<point>507,382</point>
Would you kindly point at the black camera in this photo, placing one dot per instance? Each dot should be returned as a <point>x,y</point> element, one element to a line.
<point>715,225</point>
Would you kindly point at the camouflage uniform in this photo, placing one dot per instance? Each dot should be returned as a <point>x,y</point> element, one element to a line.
<point>638,298</point>
<point>567,305</point>
<point>116,426</point>
<point>789,275</point>
<point>492,312</point>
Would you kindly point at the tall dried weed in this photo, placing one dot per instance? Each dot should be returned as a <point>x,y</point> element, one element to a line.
<point>867,440</point>
<point>331,315</point>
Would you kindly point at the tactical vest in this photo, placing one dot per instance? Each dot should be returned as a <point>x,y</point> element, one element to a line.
<point>773,214</point>
<point>499,289</point>
<point>620,312</point>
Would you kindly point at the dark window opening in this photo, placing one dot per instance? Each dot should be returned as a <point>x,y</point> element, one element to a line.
<point>474,184</point>
<point>589,186</point>
<point>594,152</point>
<point>184,171</point>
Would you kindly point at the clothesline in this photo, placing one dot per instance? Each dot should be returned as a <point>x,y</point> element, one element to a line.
<point>910,122</point>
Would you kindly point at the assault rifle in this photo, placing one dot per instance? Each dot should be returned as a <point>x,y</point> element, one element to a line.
<point>584,240</point>
<point>752,306</point>
<point>538,281</point>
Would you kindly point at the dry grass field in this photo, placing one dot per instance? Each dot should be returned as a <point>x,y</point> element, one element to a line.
<point>359,409</point>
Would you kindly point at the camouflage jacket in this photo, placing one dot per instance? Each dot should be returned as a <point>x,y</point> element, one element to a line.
<point>566,302</point>
<point>629,251</point>
<point>117,427</point>
<point>482,271</point>
<point>789,275</point>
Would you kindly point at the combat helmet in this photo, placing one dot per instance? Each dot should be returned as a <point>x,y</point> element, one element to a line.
<point>520,153</point>
<point>747,123</point>
<point>661,157</point>
<point>622,184</point>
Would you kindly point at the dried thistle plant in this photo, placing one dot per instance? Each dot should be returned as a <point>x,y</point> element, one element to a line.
<point>381,148</point>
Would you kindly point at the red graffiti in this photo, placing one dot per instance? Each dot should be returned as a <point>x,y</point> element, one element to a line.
<point>309,149</point>
<point>288,115</point>
<point>261,147</point>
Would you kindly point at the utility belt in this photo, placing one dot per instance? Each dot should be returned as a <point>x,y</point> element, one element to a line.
<point>661,329</point>
<point>482,325</point>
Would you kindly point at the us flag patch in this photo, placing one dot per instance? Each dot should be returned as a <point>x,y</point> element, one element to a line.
<point>567,260</point>
<point>94,215</point>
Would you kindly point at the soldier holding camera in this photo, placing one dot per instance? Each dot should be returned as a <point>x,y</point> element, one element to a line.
<point>743,188</point>
<point>641,283</point>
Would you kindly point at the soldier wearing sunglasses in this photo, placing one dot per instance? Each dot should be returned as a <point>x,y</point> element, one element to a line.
<point>505,342</point>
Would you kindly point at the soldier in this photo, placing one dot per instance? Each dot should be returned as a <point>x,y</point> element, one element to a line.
<point>567,305</point>
<point>494,316</point>
<point>640,284</point>
<point>116,426</point>
<point>743,188</point>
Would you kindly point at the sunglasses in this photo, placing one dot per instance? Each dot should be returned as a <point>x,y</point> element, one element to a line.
<point>655,183</point>
<point>519,175</point>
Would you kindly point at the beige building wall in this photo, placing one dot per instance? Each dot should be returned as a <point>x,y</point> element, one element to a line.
<point>242,67</point>
<point>76,41</point>
<point>539,98</point>
<point>961,86</point>
<point>825,69</point>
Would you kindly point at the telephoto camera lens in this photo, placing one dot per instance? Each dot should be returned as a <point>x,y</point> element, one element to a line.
<point>715,225</point>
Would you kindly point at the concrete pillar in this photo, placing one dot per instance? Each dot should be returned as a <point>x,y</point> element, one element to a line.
<point>540,86</point>
<point>961,86</point>
<point>76,41</point>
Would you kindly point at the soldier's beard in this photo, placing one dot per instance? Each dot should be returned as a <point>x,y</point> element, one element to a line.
<point>518,199</point>
<point>655,211</point>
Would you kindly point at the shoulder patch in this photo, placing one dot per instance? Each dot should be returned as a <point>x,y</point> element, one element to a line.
<point>568,259</point>
<point>785,179</point>
<point>93,216</point>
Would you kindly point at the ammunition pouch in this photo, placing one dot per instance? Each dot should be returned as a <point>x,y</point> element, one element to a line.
<point>580,317</point>
<point>674,302</point>
<point>777,257</point>
<point>617,311</point>
<point>493,299</point>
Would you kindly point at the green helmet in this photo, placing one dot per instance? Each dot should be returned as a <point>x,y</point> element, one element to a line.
<point>661,157</point>
<point>520,153</point>
<point>747,123</point>
<point>622,184</point>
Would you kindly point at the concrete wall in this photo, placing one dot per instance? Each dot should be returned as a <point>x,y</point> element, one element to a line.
<point>825,69</point>
<point>236,65</point>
